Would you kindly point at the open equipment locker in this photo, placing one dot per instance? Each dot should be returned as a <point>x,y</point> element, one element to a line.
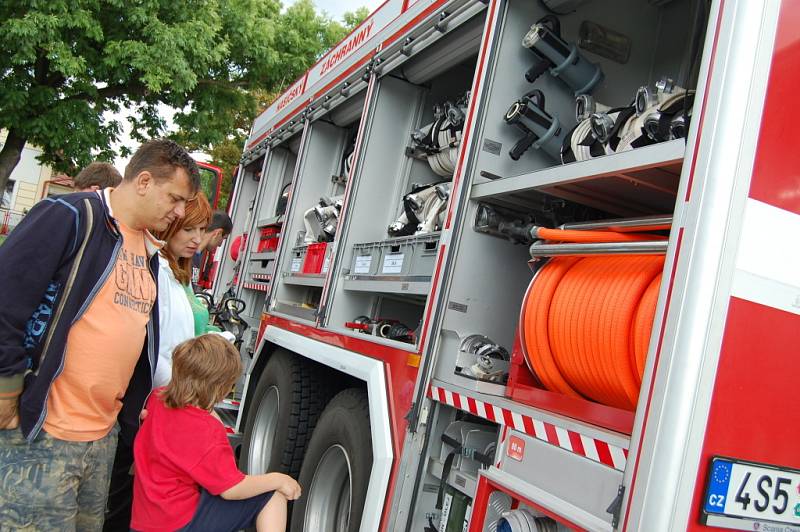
<point>318,175</point>
<point>484,286</point>
<point>385,278</point>
<point>279,168</point>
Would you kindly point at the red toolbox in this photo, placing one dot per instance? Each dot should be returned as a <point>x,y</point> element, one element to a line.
<point>268,241</point>
<point>315,256</point>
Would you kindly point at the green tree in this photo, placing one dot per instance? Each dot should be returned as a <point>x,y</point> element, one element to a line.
<point>224,140</point>
<point>67,64</point>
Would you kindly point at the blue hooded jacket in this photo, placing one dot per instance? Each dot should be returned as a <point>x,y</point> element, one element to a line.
<point>52,265</point>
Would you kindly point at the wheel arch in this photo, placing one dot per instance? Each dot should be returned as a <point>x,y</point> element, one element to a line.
<point>345,369</point>
<point>336,379</point>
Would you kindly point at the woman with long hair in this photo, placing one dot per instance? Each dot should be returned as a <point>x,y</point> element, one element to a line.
<point>181,314</point>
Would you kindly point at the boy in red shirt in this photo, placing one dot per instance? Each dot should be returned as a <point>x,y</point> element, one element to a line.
<point>186,476</point>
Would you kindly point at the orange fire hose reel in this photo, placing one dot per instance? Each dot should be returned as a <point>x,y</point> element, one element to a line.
<point>586,324</point>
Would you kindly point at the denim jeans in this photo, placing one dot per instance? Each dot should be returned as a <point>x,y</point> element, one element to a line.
<point>52,484</point>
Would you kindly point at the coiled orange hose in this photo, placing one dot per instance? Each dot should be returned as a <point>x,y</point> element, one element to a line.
<point>586,325</point>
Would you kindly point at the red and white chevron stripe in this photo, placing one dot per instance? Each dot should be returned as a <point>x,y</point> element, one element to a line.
<point>574,442</point>
<point>261,287</point>
<point>261,276</point>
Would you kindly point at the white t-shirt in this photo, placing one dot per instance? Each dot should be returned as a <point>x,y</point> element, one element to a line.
<point>176,321</point>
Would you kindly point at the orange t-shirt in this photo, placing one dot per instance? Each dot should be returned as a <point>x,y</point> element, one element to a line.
<point>103,347</point>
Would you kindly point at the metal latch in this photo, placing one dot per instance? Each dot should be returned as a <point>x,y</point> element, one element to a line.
<point>616,506</point>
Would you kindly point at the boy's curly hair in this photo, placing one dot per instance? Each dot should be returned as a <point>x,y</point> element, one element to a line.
<point>204,369</point>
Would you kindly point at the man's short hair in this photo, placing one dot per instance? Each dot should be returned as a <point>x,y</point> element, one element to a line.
<point>97,174</point>
<point>161,157</point>
<point>220,220</point>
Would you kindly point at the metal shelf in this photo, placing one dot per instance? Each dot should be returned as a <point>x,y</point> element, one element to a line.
<point>641,181</point>
<point>295,311</point>
<point>305,279</point>
<point>507,412</point>
<point>552,491</point>
<point>267,255</point>
<point>411,284</point>
<point>271,220</point>
<point>260,287</point>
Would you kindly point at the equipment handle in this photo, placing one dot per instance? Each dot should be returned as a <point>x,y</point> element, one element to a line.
<point>522,146</point>
<point>536,97</point>
<point>552,22</point>
<point>538,68</point>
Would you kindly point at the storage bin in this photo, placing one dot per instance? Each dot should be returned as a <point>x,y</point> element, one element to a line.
<point>315,256</point>
<point>268,240</point>
<point>262,267</point>
<point>296,259</point>
<point>426,248</point>
<point>396,257</point>
<point>409,255</point>
<point>404,256</point>
<point>365,258</point>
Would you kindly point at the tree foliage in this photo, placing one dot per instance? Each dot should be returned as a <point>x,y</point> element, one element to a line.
<point>69,65</point>
<point>224,143</point>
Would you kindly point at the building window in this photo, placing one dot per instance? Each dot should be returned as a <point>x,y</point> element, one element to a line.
<point>8,194</point>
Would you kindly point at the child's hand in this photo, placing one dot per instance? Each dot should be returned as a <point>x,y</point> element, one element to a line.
<point>289,487</point>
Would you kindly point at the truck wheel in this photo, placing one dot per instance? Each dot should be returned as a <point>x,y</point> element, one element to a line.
<point>284,410</point>
<point>335,472</point>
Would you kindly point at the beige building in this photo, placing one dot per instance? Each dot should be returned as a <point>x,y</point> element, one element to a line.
<point>30,181</point>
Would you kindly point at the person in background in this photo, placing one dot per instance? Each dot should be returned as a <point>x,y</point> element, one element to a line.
<point>78,337</point>
<point>218,230</point>
<point>185,471</point>
<point>181,316</point>
<point>97,176</point>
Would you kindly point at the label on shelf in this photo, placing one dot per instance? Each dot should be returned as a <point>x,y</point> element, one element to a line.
<point>326,264</point>
<point>296,263</point>
<point>392,263</point>
<point>363,263</point>
<point>516,448</point>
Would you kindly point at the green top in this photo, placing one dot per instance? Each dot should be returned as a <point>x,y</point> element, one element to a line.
<point>200,313</point>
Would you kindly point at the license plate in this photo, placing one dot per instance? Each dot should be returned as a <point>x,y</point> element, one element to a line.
<point>748,496</point>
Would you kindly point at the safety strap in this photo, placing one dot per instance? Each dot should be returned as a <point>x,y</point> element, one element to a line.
<point>345,170</point>
<point>679,104</point>
<point>430,143</point>
<point>622,118</point>
<point>409,210</point>
<point>430,526</point>
<point>469,452</point>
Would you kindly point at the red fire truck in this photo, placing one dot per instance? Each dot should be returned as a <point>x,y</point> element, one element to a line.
<point>517,265</point>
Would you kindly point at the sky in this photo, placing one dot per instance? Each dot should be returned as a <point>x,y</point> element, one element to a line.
<point>334,8</point>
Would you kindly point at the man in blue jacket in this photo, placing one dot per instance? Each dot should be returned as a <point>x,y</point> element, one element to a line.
<point>79,338</point>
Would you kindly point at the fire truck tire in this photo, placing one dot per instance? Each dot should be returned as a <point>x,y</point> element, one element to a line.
<point>336,469</point>
<point>286,406</point>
